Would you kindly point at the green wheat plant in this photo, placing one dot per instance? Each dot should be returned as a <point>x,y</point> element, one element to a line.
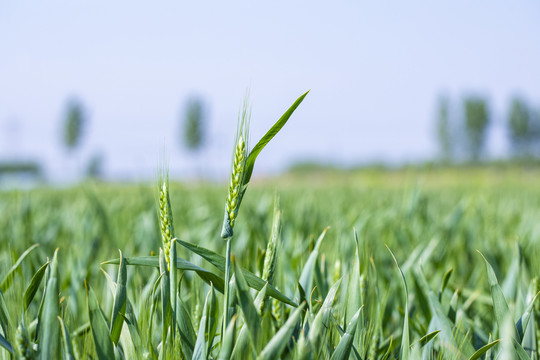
<point>358,265</point>
<point>241,170</point>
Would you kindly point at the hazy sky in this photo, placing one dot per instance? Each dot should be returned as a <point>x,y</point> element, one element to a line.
<point>375,71</point>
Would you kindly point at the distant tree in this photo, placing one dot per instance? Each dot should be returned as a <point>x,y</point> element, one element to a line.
<point>74,124</point>
<point>194,124</point>
<point>444,130</point>
<point>519,126</point>
<point>94,169</point>
<point>476,122</point>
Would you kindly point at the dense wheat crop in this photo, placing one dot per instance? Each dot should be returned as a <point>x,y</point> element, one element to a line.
<point>332,292</point>
<point>353,266</point>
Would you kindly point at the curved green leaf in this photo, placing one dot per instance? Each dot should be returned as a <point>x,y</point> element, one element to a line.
<point>181,264</point>
<point>277,344</point>
<point>250,162</point>
<point>66,341</point>
<point>500,306</point>
<point>34,285</point>
<point>405,342</point>
<point>6,283</point>
<point>6,345</point>
<point>484,349</point>
<point>343,350</point>
<point>306,278</point>
<point>120,299</point>
<point>252,280</point>
<point>98,325</point>
<point>50,327</point>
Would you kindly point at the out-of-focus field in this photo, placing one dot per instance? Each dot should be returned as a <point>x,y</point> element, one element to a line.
<point>434,221</point>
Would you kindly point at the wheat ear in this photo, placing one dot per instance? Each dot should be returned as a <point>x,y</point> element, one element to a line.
<point>165,218</point>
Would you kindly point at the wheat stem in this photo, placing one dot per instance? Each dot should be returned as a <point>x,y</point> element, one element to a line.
<point>235,193</point>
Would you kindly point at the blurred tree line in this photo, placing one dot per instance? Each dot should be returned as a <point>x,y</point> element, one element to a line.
<point>75,123</point>
<point>462,130</point>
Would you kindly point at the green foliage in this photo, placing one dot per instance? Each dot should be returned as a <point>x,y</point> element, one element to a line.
<point>193,132</point>
<point>444,129</point>
<point>523,128</point>
<point>442,301</point>
<point>74,124</point>
<point>476,122</point>
<point>519,120</point>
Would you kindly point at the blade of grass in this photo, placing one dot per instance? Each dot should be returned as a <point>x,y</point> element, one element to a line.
<point>100,329</point>
<point>119,304</point>
<point>321,323</point>
<point>50,327</point>
<point>252,280</point>
<point>500,306</point>
<point>34,285</point>
<point>306,278</point>
<point>228,340</point>
<point>181,264</point>
<point>133,327</point>
<point>524,319</point>
<point>277,344</point>
<point>343,350</point>
<point>6,345</point>
<point>6,282</point>
<point>480,352</point>
<point>5,319</point>
<point>405,342</point>
<point>173,282</point>
<point>250,163</point>
<point>66,342</point>
<point>200,350</point>
<point>185,328</point>
<point>251,316</point>
<point>165,299</point>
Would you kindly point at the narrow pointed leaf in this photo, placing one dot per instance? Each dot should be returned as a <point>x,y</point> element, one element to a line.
<point>252,280</point>
<point>228,340</point>
<point>185,328</point>
<point>427,338</point>
<point>100,329</point>
<point>6,282</point>
<point>165,298</point>
<point>34,285</point>
<point>277,344</point>
<point>306,278</point>
<point>120,299</point>
<point>66,342</point>
<point>50,327</point>
<point>181,264</point>
<point>480,352</point>
<point>133,328</point>
<point>212,319</point>
<point>345,345</point>
<point>500,306</point>
<point>321,324</point>
<point>250,163</point>
<point>524,319</point>
<point>173,282</point>
<point>6,345</point>
<point>440,321</point>
<point>251,315</point>
<point>199,352</point>
<point>405,342</point>
<point>520,351</point>
<point>5,320</point>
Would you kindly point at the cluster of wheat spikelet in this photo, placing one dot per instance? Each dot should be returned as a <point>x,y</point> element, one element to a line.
<point>165,218</point>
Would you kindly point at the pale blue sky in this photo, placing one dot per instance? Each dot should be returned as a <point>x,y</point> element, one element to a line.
<point>375,71</point>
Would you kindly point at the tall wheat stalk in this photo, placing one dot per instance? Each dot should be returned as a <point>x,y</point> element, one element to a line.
<point>235,193</point>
